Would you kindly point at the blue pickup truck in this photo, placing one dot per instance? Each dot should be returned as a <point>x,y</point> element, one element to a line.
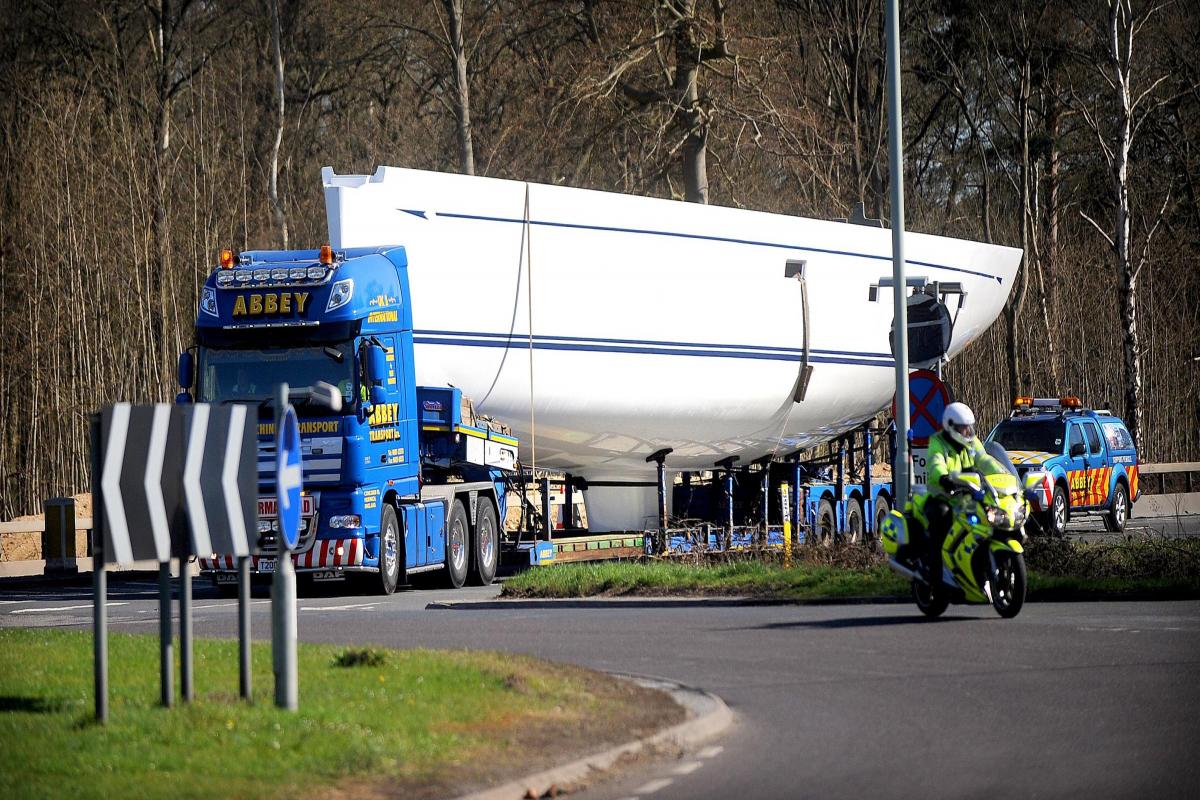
<point>1088,454</point>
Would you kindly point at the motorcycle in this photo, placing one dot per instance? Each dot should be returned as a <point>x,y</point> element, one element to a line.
<point>982,555</point>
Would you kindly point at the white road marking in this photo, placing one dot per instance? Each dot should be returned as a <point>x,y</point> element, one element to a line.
<point>58,608</point>
<point>712,751</point>
<point>654,786</point>
<point>687,769</point>
<point>339,608</point>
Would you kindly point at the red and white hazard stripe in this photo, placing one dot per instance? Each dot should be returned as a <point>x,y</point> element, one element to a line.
<point>323,554</point>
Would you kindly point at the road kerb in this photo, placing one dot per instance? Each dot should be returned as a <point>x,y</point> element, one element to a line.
<point>707,716</point>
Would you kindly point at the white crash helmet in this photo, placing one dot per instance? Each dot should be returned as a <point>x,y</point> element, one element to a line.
<point>958,421</point>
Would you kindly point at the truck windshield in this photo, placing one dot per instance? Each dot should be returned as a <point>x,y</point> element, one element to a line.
<point>1045,436</point>
<point>248,375</point>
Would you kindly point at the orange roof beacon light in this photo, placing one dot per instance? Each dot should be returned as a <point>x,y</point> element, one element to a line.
<point>326,257</point>
<point>227,259</point>
<point>1023,402</point>
<point>1072,402</point>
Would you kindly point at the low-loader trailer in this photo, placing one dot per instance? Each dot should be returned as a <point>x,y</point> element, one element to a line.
<point>405,478</point>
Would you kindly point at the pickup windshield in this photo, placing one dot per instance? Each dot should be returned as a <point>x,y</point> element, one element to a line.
<point>1044,436</point>
<point>252,375</point>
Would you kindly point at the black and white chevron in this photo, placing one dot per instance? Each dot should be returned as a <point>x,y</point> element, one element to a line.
<point>167,470</point>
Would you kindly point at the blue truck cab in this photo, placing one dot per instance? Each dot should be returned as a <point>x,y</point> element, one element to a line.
<point>398,481</point>
<point>1089,455</point>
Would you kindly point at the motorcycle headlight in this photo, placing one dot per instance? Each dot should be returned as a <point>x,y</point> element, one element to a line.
<point>1019,516</point>
<point>996,516</point>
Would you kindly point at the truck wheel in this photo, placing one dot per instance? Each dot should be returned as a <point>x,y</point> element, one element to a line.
<point>485,550</point>
<point>389,551</point>
<point>854,522</point>
<point>458,543</point>
<point>1118,510</point>
<point>826,523</point>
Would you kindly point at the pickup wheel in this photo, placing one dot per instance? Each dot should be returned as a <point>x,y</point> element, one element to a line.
<point>389,551</point>
<point>1118,510</point>
<point>458,543</point>
<point>485,549</point>
<point>1054,521</point>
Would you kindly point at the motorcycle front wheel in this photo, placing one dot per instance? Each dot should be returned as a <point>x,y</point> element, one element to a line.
<point>932,600</point>
<point>1008,584</point>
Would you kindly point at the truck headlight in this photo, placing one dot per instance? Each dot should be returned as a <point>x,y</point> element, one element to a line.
<point>345,521</point>
<point>208,301</point>
<point>340,294</point>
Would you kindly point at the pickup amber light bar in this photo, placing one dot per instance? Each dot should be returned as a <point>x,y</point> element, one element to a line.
<point>227,259</point>
<point>326,254</point>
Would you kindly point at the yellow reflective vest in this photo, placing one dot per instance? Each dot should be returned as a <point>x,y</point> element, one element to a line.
<point>946,456</point>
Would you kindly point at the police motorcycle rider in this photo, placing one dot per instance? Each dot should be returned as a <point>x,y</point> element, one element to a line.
<point>953,449</point>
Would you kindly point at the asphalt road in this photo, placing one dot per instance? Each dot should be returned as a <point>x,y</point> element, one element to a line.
<point>1067,700</point>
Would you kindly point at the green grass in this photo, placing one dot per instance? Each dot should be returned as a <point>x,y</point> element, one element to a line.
<point>803,581</point>
<point>742,578</point>
<point>412,720</point>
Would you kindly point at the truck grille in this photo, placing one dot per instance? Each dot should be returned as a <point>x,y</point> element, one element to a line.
<point>321,460</point>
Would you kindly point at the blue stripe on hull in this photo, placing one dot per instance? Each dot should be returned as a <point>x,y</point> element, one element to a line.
<point>711,238</point>
<point>603,346</point>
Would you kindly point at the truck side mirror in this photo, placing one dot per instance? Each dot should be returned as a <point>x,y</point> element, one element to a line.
<point>1077,450</point>
<point>377,372</point>
<point>186,370</point>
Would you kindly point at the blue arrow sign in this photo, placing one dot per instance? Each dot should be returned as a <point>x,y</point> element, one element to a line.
<point>289,478</point>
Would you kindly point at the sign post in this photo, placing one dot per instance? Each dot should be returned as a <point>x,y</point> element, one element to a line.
<point>896,177</point>
<point>288,487</point>
<point>928,398</point>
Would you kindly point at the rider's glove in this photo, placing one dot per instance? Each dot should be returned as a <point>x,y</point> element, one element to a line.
<point>948,483</point>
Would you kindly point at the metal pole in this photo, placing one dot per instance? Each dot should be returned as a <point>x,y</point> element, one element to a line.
<point>869,522</point>
<point>900,469</point>
<point>185,623</point>
<point>166,656</point>
<point>548,524</point>
<point>99,585</point>
<point>283,597</point>
<point>244,675</point>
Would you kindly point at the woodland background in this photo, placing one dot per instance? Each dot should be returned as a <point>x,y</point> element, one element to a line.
<point>139,138</point>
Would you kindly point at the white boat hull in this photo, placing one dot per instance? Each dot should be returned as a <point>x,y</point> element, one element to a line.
<point>655,324</point>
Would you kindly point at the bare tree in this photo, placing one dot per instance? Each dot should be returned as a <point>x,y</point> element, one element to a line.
<point>277,211</point>
<point>1115,119</point>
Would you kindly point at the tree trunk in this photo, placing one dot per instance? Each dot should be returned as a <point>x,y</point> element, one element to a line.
<point>462,98</point>
<point>277,212</point>
<point>691,120</point>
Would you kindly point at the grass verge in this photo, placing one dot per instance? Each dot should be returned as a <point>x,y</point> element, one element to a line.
<point>801,582</point>
<point>397,723</point>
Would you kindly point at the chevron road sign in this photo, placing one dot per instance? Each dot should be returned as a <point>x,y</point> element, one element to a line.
<point>163,465</point>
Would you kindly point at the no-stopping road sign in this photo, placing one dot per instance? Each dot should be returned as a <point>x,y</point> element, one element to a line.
<point>927,400</point>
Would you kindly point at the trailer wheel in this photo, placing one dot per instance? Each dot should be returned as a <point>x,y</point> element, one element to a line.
<point>458,543</point>
<point>826,523</point>
<point>854,522</point>
<point>485,545</point>
<point>882,509</point>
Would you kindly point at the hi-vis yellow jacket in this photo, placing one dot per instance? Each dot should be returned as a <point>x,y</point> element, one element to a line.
<point>947,455</point>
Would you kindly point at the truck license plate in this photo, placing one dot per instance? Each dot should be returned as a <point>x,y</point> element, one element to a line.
<point>268,507</point>
<point>266,565</point>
